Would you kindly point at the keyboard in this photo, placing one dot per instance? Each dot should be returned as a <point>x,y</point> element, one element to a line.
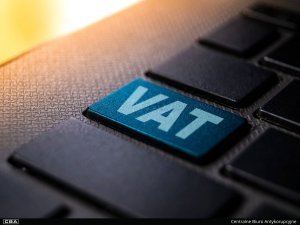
<point>189,111</point>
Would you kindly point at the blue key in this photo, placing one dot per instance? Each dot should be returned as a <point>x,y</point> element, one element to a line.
<point>182,123</point>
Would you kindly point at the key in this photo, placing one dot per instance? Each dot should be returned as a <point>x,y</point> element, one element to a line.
<point>23,200</point>
<point>123,176</point>
<point>285,58</point>
<point>278,16</point>
<point>241,36</point>
<point>284,108</point>
<point>213,75</point>
<point>270,212</point>
<point>271,162</point>
<point>189,127</point>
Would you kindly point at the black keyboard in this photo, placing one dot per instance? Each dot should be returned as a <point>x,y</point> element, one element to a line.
<point>196,136</point>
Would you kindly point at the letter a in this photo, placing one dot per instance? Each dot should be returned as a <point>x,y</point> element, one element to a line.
<point>166,122</point>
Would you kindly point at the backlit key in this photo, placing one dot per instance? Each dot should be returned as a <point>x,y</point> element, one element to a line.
<point>171,119</point>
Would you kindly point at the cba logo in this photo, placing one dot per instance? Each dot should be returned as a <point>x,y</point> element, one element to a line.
<point>10,221</point>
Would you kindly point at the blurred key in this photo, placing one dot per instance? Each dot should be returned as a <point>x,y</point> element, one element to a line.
<point>284,108</point>
<point>214,75</point>
<point>122,176</point>
<point>285,58</point>
<point>278,16</point>
<point>271,162</point>
<point>22,200</point>
<point>241,36</point>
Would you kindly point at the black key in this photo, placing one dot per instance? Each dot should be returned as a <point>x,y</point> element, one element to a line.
<point>284,108</point>
<point>123,176</point>
<point>285,58</point>
<point>220,77</point>
<point>271,162</point>
<point>241,36</point>
<point>278,16</point>
<point>269,212</point>
<point>22,200</point>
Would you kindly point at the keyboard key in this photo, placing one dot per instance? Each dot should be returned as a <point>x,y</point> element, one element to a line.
<point>123,176</point>
<point>284,108</point>
<point>23,200</point>
<point>285,58</point>
<point>241,36</point>
<point>271,162</point>
<point>214,75</point>
<point>269,212</point>
<point>274,15</point>
<point>191,128</point>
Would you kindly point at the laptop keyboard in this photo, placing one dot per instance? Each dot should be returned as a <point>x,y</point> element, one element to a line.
<point>129,181</point>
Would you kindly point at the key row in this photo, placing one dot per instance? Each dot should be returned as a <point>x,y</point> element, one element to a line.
<point>129,180</point>
<point>224,79</point>
<point>244,37</point>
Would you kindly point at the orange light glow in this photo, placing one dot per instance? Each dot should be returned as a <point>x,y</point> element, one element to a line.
<point>25,24</point>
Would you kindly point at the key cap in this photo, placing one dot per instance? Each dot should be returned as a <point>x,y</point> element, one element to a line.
<point>270,212</point>
<point>189,127</point>
<point>271,162</point>
<point>121,175</point>
<point>284,108</point>
<point>278,16</point>
<point>285,58</point>
<point>241,36</point>
<point>23,200</point>
<point>216,76</point>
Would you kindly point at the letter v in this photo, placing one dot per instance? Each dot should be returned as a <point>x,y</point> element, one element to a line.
<point>131,105</point>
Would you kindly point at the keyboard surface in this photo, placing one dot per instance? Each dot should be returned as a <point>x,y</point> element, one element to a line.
<point>43,89</point>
